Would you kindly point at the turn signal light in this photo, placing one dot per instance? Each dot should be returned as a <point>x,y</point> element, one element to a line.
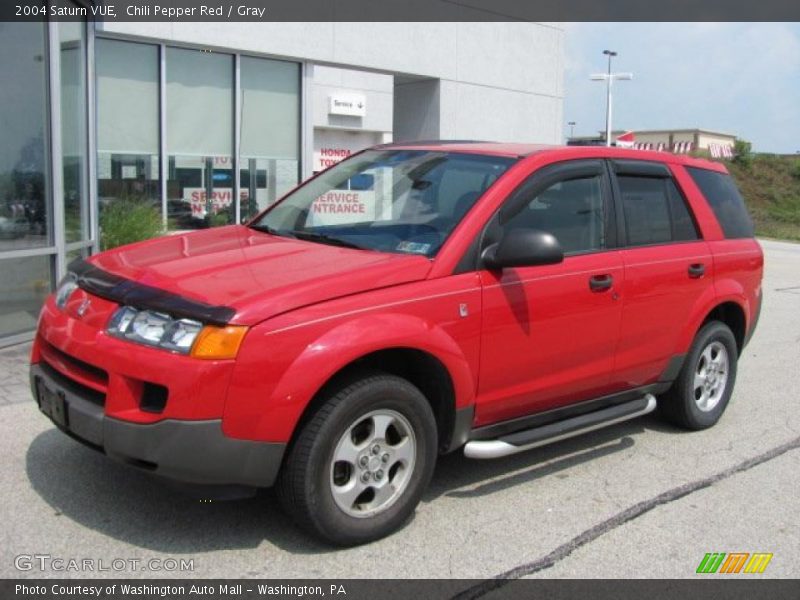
<point>218,342</point>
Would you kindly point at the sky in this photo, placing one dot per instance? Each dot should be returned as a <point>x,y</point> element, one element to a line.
<point>738,78</point>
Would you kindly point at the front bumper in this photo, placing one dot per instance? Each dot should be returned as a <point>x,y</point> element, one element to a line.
<point>194,452</point>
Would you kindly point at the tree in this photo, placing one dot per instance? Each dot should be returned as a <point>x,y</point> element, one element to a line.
<point>743,152</point>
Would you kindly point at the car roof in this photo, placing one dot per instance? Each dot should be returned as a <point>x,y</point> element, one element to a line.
<point>521,150</point>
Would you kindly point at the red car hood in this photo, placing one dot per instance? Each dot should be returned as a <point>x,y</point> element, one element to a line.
<point>257,274</point>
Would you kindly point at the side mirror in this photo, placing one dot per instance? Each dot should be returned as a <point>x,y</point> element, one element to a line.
<point>523,248</point>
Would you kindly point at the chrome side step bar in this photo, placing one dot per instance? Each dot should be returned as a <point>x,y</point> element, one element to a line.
<point>547,434</point>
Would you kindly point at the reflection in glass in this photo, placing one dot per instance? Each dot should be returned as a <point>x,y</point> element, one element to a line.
<point>270,129</point>
<point>265,180</point>
<point>72,37</point>
<point>199,139</point>
<point>26,283</point>
<point>127,125</point>
<point>24,205</point>
<point>77,253</point>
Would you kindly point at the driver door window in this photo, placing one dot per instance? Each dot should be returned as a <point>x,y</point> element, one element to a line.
<point>572,210</point>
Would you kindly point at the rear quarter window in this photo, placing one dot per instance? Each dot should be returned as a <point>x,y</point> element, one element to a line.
<point>725,200</point>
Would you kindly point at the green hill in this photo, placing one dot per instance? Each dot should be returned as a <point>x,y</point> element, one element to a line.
<point>770,185</point>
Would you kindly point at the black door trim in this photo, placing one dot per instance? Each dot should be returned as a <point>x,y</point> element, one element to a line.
<point>641,168</point>
<point>495,430</point>
<point>503,428</point>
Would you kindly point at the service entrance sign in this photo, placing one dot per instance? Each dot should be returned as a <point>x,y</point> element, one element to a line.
<point>338,207</point>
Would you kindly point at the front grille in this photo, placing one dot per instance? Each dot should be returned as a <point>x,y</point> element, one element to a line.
<point>96,374</point>
<point>73,386</point>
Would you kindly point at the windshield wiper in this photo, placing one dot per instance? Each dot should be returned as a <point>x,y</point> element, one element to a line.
<point>323,238</point>
<point>271,230</point>
<point>306,235</point>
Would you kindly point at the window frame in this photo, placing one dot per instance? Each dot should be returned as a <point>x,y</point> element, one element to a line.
<point>303,130</point>
<point>651,170</point>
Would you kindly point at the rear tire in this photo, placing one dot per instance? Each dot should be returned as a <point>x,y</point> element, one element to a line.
<point>705,383</point>
<point>359,466</point>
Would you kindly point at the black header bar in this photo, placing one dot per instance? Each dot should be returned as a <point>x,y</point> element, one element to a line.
<point>399,10</point>
<point>711,587</point>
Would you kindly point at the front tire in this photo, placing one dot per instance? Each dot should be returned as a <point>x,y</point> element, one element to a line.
<point>704,386</point>
<point>359,466</point>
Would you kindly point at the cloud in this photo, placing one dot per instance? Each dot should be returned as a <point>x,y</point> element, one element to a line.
<point>741,78</point>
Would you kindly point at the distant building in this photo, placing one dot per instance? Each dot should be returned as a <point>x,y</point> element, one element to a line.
<point>683,140</point>
<point>679,141</point>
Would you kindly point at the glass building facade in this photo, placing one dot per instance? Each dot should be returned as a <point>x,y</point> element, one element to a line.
<point>193,137</point>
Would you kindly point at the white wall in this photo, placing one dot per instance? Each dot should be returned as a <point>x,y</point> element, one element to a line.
<point>416,110</point>
<point>499,81</point>
<point>377,89</point>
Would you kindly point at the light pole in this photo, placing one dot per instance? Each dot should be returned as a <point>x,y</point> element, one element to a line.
<point>571,128</point>
<point>611,54</point>
<point>609,78</point>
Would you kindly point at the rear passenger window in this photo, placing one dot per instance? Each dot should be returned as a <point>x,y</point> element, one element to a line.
<point>725,200</point>
<point>655,212</point>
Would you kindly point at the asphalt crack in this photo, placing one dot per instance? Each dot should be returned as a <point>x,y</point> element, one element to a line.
<point>625,516</point>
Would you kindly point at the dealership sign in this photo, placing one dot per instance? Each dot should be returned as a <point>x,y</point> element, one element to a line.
<point>349,105</point>
<point>327,157</point>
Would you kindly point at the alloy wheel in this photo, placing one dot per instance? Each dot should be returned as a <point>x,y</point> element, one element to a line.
<point>372,463</point>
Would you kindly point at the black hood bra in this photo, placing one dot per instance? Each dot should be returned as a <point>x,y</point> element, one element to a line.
<point>131,293</point>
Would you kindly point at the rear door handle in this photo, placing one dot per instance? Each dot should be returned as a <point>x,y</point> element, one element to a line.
<point>600,283</point>
<point>697,270</point>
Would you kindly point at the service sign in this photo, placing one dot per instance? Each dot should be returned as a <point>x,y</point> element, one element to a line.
<point>221,198</point>
<point>350,105</point>
<point>339,207</point>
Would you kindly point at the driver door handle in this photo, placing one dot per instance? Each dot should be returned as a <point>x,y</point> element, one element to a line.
<point>601,283</point>
<point>697,270</point>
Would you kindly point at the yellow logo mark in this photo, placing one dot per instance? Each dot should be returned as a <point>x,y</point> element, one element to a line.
<point>758,562</point>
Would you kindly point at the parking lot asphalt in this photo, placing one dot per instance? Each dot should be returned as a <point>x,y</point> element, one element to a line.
<point>639,499</point>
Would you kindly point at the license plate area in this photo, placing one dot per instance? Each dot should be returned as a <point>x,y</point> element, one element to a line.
<point>52,403</point>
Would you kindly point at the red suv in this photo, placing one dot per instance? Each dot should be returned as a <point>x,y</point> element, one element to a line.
<point>412,300</point>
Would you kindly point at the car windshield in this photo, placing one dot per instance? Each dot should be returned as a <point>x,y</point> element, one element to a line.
<point>403,201</point>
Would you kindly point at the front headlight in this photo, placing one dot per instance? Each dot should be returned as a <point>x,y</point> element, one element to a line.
<point>181,335</point>
<point>154,329</point>
<point>64,290</point>
<point>177,335</point>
